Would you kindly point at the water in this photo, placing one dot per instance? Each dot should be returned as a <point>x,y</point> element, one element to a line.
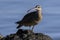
<point>14,10</point>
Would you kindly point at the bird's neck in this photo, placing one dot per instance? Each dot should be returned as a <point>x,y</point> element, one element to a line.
<point>40,13</point>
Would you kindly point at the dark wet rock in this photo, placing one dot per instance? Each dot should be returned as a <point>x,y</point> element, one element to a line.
<point>26,35</point>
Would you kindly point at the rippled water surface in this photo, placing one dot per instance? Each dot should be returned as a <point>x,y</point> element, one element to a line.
<point>14,10</point>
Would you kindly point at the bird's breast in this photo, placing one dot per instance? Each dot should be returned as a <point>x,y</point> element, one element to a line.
<point>40,14</point>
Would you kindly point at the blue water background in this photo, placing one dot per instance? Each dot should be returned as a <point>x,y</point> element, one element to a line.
<point>14,10</point>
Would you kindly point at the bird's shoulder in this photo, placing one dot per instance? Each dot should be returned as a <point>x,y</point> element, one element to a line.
<point>30,14</point>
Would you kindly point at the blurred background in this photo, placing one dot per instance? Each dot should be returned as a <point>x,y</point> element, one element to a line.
<point>14,10</point>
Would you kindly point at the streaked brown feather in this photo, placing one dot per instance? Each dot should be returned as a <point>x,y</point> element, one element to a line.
<point>29,19</point>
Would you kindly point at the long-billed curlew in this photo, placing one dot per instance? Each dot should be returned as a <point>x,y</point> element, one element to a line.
<point>32,18</point>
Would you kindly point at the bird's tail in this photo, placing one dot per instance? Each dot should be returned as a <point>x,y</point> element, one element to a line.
<point>19,24</point>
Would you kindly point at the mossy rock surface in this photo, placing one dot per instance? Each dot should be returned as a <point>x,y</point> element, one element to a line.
<point>26,35</point>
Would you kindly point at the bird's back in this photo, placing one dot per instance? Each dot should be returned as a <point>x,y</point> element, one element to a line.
<point>31,16</point>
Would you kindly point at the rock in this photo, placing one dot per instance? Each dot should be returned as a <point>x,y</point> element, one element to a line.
<point>26,35</point>
<point>1,36</point>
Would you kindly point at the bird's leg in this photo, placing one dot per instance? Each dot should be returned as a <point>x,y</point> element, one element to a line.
<point>32,27</point>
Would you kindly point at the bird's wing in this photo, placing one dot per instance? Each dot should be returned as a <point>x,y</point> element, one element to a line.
<point>29,16</point>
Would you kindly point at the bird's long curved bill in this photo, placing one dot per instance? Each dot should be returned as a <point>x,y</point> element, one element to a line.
<point>30,9</point>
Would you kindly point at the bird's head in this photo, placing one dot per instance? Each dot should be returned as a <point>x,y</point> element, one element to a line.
<point>37,7</point>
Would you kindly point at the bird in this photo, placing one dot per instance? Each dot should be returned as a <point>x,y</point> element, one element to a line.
<point>31,18</point>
